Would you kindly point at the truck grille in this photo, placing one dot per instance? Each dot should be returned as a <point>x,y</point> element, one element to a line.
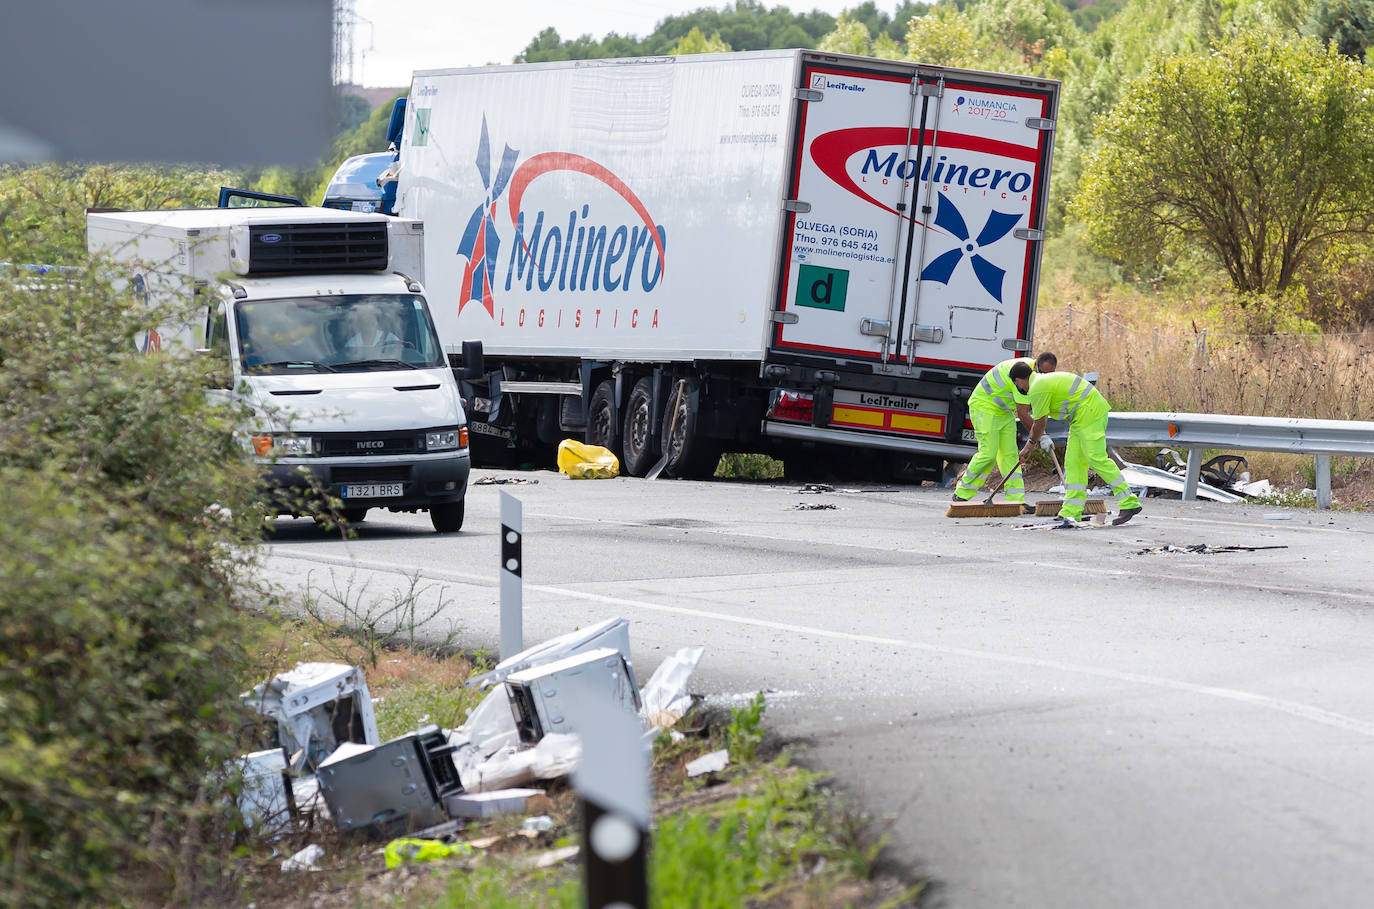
<point>323,247</point>
<point>373,443</point>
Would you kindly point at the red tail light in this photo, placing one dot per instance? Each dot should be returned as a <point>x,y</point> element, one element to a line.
<point>795,406</point>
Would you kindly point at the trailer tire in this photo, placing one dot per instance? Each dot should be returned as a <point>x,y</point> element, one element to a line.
<point>354,515</point>
<point>690,456</point>
<point>447,517</point>
<point>638,436</point>
<point>603,420</point>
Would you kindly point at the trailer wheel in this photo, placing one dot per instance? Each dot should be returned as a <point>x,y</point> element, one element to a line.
<point>447,517</point>
<point>640,451</point>
<point>354,515</point>
<point>689,454</point>
<point>603,423</point>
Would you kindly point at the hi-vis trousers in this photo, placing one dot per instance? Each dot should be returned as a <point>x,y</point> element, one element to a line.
<point>995,431</point>
<point>1087,448</point>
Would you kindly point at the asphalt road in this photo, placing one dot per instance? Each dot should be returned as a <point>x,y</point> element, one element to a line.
<point>1046,718</point>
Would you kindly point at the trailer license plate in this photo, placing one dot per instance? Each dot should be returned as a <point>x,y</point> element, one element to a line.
<point>371,490</point>
<point>968,436</point>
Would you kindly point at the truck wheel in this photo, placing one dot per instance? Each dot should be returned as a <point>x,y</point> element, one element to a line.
<point>448,517</point>
<point>640,451</point>
<point>354,515</point>
<point>603,423</point>
<point>689,455</point>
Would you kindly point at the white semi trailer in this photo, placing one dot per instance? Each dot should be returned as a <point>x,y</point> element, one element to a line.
<point>798,253</point>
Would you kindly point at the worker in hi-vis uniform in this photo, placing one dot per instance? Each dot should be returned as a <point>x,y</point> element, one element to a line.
<point>1073,399</point>
<point>993,408</point>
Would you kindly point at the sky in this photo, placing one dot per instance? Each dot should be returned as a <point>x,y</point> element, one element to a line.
<point>395,37</point>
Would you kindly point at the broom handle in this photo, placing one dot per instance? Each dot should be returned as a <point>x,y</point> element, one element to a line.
<point>1006,476</point>
<point>1057,469</point>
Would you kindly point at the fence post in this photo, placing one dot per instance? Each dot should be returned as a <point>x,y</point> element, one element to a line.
<point>512,570</point>
<point>1323,481</point>
<point>1156,346</point>
<point>1194,471</point>
<point>1070,318</point>
<point>1107,326</point>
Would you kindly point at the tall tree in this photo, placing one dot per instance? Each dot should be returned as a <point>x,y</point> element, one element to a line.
<point>1256,153</point>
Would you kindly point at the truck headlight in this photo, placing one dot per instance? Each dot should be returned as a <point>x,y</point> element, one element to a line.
<point>283,446</point>
<point>446,439</point>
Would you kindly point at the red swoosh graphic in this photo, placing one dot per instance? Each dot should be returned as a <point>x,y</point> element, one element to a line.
<point>832,150</point>
<point>547,162</point>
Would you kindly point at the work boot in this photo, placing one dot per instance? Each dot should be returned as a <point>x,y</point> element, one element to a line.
<point>1027,509</point>
<point>1125,515</point>
<point>1064,524</point>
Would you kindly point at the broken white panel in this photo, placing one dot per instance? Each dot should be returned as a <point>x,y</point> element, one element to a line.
<point>317,707</point>
<point>1155,478</point>
<point>305,860</point>
<point>264,802</point>
<point>559,696</point>
<point>613,633</point>
<point>664,698</point>
<point>708,763</point>
<point>556,755</point>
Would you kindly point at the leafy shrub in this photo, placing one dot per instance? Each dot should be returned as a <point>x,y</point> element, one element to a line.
<point>128,503</point>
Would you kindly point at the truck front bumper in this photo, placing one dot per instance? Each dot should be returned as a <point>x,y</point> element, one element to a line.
<point>411,483</point>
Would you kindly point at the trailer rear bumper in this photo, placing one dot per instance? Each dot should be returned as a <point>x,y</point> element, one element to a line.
<point>779,430</point>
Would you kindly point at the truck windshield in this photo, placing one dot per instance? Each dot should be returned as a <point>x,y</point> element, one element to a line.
<point>337,334</point>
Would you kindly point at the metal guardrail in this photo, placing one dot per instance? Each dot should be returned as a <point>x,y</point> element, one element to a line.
<point>1197,431</point>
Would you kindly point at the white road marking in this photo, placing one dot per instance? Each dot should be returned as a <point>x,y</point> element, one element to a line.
<point>1292,708</point>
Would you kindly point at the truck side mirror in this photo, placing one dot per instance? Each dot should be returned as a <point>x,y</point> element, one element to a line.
<point>474,366</point>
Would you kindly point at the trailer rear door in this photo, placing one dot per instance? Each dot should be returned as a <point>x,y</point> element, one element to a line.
<point>918,199</point>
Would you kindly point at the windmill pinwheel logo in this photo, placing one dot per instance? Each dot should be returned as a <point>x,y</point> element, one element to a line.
<point>480,242</point>
<point>997,226</point>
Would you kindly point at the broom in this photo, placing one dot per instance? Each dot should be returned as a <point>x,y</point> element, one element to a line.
<point>1050,507</point>
<point>986,508</point>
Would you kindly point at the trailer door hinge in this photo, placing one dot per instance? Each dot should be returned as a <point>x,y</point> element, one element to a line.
<point>880,328</point>
<point>1016,344</point>
<point>786,318</point>
<point>1028,233</point>
<point>927,333</point>
<point>933,89</point>
<point>808,94</point>
<point>796,205</point>
<point>1039,123</point>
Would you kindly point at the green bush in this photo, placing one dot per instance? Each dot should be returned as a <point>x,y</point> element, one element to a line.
<point>129,501</point>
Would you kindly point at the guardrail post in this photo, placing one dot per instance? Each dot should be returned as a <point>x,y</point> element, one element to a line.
<point>512,571</point>
<point>1194,472</point>
<point>1323,481</point>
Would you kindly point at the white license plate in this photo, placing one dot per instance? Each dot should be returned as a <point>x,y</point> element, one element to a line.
<point>371,490</point>
<point>486,429</point>
<point>968,436</point>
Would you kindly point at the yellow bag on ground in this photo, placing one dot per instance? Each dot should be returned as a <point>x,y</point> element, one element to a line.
<point>587,462</point>
<point>409,849</point>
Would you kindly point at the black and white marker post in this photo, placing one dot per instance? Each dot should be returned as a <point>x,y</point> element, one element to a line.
<point>512,567</point>
<point>612,779</point>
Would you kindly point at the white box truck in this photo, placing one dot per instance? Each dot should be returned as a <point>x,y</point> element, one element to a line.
<point>780,251</point>
<point>321,326</point>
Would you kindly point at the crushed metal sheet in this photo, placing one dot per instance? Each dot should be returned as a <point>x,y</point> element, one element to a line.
<point>814,506</point>
<point>1204,549</point>
<point>816,488</point>
<point>504,481</point>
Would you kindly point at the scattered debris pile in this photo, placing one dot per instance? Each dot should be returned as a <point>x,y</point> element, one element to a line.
<point>418,791</point>
<point>1202,549</point>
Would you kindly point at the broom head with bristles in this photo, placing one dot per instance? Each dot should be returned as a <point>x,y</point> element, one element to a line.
<point>1050,507</point>
<point>983,510</point>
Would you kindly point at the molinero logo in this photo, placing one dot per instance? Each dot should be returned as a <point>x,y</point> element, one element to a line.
<point>576,252</point>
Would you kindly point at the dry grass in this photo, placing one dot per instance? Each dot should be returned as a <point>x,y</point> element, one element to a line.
<point>1151,367</point>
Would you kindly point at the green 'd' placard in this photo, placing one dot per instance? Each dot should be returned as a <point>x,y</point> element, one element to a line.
<point>821,288</point>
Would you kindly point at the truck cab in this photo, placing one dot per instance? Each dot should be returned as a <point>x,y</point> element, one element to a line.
<point>316,320</point>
